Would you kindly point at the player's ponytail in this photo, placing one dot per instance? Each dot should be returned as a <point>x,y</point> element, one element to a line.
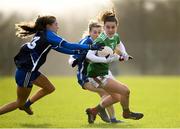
<point>26,29</point>
<point>108,16</point>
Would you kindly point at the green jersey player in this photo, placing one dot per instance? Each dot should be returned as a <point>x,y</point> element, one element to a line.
<point>103,68</point>
<point>98,72</point>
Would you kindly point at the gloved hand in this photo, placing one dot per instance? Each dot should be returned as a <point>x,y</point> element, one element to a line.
<point>74,63</point>
<point>80,52</point>
<point>78,60</point>
<point>96,46</point>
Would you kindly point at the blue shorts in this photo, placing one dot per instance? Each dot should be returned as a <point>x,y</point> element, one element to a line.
<point>24,78</point>
<point>82,79</point>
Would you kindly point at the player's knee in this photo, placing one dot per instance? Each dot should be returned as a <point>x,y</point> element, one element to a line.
<point>53,89</point>
<point>126,91</point>
<point>50,89</point>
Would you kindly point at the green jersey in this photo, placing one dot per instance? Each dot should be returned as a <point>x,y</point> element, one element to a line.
<point>101,69</point>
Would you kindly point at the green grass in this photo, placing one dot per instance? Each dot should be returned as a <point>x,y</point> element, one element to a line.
<point>157,97</point>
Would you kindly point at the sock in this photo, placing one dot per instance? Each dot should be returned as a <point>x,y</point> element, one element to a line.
<point>126,110</point>
<point>96,109</point>
<point>99,107</point>
<point>28,103</point>
<point>113,118</point>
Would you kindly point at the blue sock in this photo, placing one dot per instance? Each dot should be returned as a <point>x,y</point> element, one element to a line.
<point>113,118</point>
<point>28,103</point>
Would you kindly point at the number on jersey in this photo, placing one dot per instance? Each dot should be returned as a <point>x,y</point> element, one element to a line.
<point>32,44</point>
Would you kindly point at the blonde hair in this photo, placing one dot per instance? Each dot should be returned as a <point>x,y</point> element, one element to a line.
<point>91,24</point>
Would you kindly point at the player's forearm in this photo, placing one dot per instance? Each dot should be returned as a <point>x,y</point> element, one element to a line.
<point>93,58</point>
<point>65,51</point>
<point>56,40</point>
<point>74,46</point>
<point>124,54</point>
<point>122,48</point>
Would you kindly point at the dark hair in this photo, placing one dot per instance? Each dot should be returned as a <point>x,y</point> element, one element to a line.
<point>108,16</point>
<point>26,29</point>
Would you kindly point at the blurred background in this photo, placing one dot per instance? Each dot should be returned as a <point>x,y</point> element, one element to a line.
<point>150,30</point>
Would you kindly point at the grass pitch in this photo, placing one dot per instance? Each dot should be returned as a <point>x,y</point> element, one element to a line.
<point>158,97</point>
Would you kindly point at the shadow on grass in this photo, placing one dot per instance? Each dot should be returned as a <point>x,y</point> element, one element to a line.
<point>106,125</point>
<point>45,125</point>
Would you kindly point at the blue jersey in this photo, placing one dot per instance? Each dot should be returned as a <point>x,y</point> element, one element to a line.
<point>33,55</point>
<point>87,40</point>
<point>82,66</point>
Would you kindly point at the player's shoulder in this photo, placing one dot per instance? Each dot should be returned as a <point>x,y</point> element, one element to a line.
<point>40,34</point>
<point>116,35</point>
<point>86,40</point>
<point>51,34</point>
<point>103,36</point>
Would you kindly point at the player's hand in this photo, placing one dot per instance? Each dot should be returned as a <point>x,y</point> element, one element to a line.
<point>80,52</point>
<point>80,59</point>
<point>96,47</point>
<point>112,58</point>
<point>130,57</point>
<point>75,62</point>
<point>121,58</point>
<point>125,57</point>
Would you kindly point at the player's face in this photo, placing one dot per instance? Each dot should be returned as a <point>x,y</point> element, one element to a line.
<point>110,28</point>
<point>95,31</point>
<point>53,27</point>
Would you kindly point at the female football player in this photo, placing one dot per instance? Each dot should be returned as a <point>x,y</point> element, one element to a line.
<point>32,56</point>
<point>94,29</point>
<point>98,72</point>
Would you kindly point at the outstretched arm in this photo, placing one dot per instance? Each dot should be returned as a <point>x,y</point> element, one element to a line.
<point>65,50</point>
<point>56,40</point>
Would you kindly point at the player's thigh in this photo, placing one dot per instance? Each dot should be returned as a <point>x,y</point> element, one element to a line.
<point>43,82</point>
<point>90,87</point>
<point>115,96</point>
<point>110,99</point>
<point>115,86</point>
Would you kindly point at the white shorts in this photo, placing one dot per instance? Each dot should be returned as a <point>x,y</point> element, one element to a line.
<point>100,81</point>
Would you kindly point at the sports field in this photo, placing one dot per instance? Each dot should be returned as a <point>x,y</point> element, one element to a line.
<point>158,97</point>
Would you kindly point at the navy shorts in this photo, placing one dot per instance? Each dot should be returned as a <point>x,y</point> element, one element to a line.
<point>25,78</point>
<point>82,79</point>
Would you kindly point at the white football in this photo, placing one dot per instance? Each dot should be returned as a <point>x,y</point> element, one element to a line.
<point>105,52</point>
